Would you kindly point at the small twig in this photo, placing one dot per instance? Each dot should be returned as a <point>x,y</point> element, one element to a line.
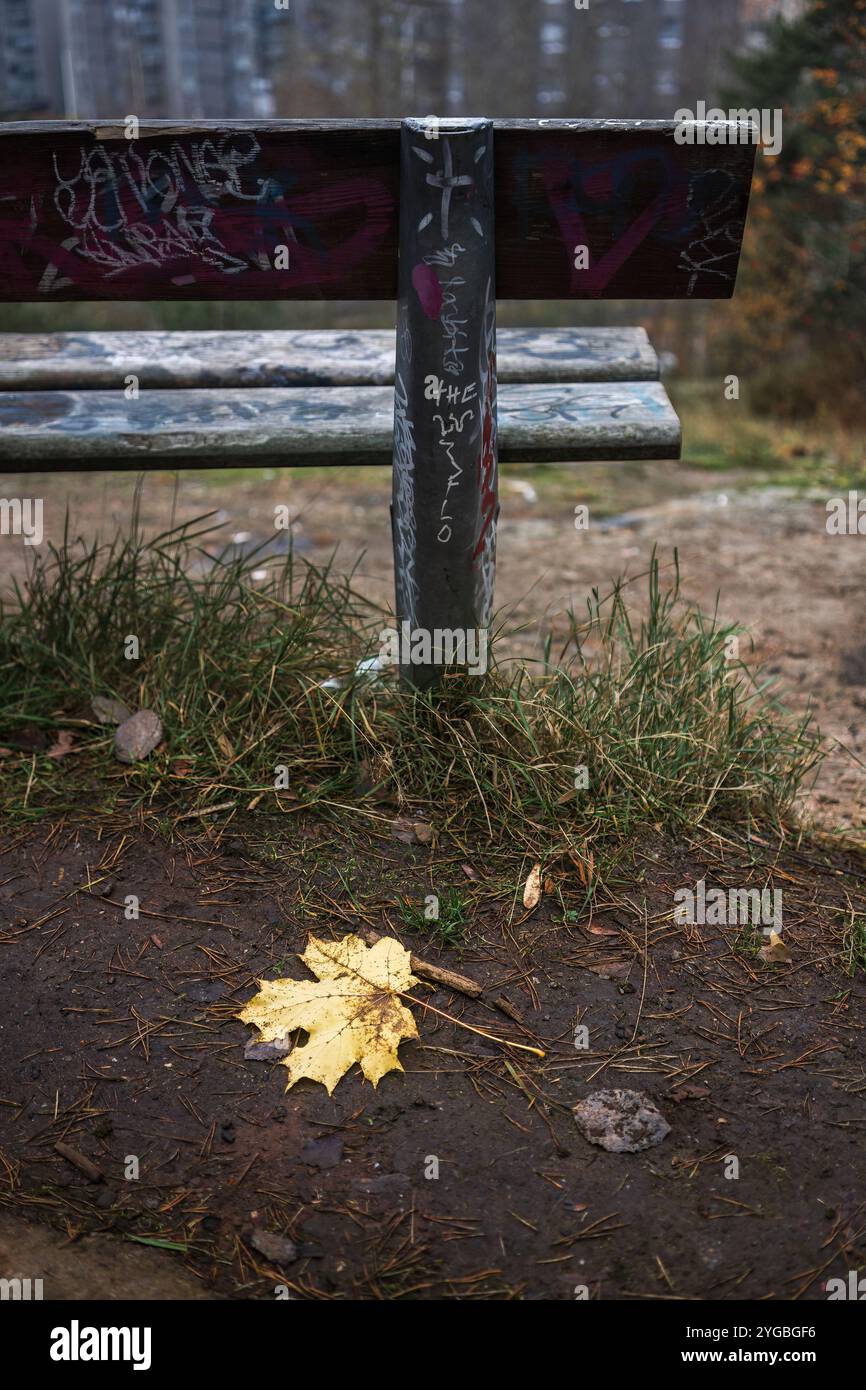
<point>207,810</point>
<point>437,973</point>
<point>503,1042</point>
<point>79,1161</point>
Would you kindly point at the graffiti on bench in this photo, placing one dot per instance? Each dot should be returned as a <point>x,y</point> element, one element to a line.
<point>270,212</point>
<point>445,484</point>
<point>191,214</point>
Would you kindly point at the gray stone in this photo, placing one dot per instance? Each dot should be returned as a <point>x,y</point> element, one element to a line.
<point>279,1249</point>
<point>621,1121</point>
<point>137,736</point>
<point>257,1050</point>
<point>109,711</point>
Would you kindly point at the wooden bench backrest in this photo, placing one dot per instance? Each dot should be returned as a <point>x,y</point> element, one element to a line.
<point>199,212</point>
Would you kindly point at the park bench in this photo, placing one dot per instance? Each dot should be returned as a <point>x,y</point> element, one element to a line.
<point>442,216</point>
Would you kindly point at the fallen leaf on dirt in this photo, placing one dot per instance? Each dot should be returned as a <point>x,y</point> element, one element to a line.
<point>65,743</point>
<point>775,951</point>
<point>469,872</point>
<point>532,888</point>
<point>411,832</point>
<point>689,1092</point>
<point>585,871</point>
<point>351,1011</point>
<point>611,970</point>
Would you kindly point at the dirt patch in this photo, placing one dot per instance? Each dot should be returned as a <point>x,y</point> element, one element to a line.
<point>465,1176</point>
<point>100,1267</point>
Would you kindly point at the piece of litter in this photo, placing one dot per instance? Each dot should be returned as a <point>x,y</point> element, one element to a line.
<point>366,673</point>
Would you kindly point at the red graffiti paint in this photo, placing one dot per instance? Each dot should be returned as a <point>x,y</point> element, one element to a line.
<point>428,289</point>
<point>487,460</point>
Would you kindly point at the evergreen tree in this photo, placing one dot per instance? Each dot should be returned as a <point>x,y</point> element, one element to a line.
<point>801,300</point>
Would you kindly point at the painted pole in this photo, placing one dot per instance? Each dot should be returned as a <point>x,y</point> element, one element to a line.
<point>445,497</point>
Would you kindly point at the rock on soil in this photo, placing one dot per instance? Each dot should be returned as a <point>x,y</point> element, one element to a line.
<point>257,1050</point>
<point>137,736</point>
<point>621,1121</point>
<point>109,711</point>
<point>278,1249</point>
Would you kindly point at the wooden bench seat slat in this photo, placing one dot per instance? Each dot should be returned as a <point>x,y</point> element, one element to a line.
<point>80,430</point>
<point>94,361</point>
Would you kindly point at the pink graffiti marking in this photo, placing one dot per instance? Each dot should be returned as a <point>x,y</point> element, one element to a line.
<point>428,289</point>
<point>558,182</point>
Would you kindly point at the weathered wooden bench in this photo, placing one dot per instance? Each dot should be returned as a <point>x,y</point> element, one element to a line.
<point>444,217</point>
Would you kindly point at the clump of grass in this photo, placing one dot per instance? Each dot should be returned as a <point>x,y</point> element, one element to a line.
<point>854,944</point>
<point>444,920</point>
<point>670,728</point>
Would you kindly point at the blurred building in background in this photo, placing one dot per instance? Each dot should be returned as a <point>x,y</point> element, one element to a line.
<point>189,59</point>
<point>23,81</point>
<point>172,58</point>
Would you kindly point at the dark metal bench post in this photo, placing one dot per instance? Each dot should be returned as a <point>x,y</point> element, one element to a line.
<point>445,504</point>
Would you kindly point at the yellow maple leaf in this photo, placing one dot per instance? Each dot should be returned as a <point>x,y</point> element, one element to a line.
<point>351,1011</point>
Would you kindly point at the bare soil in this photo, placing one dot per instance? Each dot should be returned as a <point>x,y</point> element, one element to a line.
<point>119,1038</point>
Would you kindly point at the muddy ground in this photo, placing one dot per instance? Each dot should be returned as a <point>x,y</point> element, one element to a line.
<point>119,1038</point>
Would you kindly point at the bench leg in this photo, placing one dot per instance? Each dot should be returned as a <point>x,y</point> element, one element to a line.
<point>445,497</point>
